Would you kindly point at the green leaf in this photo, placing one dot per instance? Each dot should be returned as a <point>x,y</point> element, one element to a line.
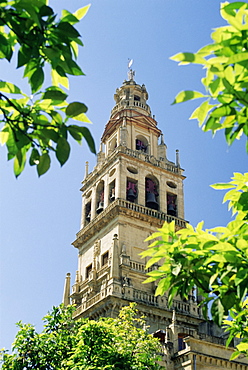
<point>228,300</point>
<point>9,88</point>
<point>34,157</point>
<point>212,124</point>
<point>82,118</point>
<point>55,94</point>
<point>44,164</point>
<point>241,274</point>
<point>62,150</point>
<point>200,113</point>
<point>75,133</point>
<point>45,11</point>
<point>243,201</point>
<point>70,67</point>
<point>19,161</point>
<point>224,110</point>
<point>68,17</point>
<point>229,74</point>
<point>37,79</point>
<point>234,355</point>
<point>163,286</point>
<point>222,186</point>
<point>24,55</point>
<point>186,58</point>
<point>217,311</point>
<point>76,108</point>
<point>80,13</point>
<point>88,137</point>
<point>4,135</point>
<point>68,30</point>
<point>187,95</point>
<point>242,346</point>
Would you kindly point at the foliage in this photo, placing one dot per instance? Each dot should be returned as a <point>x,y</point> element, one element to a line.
<point>38,124</point>
<point>238,327</point>
<point>226,79</point>
<point>66,344</point>
<point>215,260</point>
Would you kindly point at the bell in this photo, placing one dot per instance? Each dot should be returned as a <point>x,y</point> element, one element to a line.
<point>151,201</point>
<point>100,207</point>
<point>112,197</point>
<point>131,195</point>
<point>171,209</point>
<point>88,217</point>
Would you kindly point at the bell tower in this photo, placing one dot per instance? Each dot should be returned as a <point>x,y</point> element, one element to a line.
<point>131,191</point>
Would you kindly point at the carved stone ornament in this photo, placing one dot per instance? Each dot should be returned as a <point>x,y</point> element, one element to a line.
<point>97,248</point>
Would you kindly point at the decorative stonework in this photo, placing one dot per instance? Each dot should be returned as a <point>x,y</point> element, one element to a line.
<point>131,192</point>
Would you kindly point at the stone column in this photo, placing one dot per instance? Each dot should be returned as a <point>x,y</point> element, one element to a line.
<point>114,270</point>
<point>67,288</point>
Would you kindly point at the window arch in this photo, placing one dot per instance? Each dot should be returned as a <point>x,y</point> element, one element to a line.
<point>88,212</point>
<point>132,190</point>
<point>172,204</point>
<point>112,192</point>
<point>100,197</point>
<point>141,143</point>
<point>152,192</point>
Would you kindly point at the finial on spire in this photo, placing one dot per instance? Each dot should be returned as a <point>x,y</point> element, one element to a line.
<point>130,72</point>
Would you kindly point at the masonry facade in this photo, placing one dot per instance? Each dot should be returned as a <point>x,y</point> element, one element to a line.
<point>131,192</point>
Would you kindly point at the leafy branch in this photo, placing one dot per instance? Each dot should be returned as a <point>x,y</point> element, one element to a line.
<point>39,126</point>
<point>225,82</point>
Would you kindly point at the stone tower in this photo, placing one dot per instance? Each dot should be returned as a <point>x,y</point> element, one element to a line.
<point>131,191</point>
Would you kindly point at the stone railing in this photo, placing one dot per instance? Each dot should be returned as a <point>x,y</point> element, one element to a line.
<point>150,212</point>
<point>147,158</point>
<point>134,207</point>
<point>140,296</point>
<point>93,300</point>
<point>180,306</point>
<point>137,266</point>
<point>129,104</point>
<point>139,154</point>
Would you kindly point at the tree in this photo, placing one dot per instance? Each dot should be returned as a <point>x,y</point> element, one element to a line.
<point>64,343</point>
<point>37,124</point>
<point>225,82</point>
<point>215,260</point>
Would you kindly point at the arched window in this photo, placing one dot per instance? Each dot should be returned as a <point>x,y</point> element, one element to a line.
<point>171,204</point>
<point>141,143</point>
<point>152,194</point>
<point>88,212</point>
<point>100,197</point>
<point>132,190</point>
<point>112,194</point>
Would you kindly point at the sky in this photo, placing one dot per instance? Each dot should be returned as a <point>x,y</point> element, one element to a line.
<point>40,217</point>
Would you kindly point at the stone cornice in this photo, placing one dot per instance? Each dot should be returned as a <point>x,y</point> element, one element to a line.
<point>139,156</point>
<point>128,209</point>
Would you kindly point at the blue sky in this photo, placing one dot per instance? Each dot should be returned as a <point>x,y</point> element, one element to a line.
<point>41,216</point>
